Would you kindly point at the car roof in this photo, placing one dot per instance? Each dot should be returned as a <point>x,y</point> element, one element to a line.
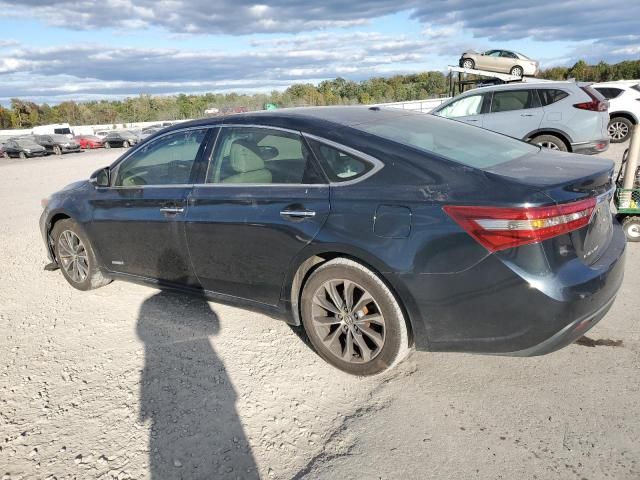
<point>617,83</point>
<point>307,116</point>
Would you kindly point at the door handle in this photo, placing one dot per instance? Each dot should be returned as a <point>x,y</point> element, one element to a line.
<point>526,115</point>
<point>298,213</point>
<point>172,210</point>
<point>472,120</point>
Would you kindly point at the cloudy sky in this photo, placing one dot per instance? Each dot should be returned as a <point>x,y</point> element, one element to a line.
<point>53,50</point>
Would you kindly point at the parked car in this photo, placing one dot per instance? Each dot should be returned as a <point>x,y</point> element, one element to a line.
<point>102,133</point>
<point>147,132</point>
<point>57,144</point>
<point>89,141</point>
<point>121,138</point>
<point>566,116</point>
<point>624,107</point>
<point>374,228</point>
<point>22,147</point>
<point>502,61</point>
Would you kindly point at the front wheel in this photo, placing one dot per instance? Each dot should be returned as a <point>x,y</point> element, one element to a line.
<point>57,150</point>
<point>619,129</point>
<point>352,318</point>
<point>468,63</point>
<point>125,144</point>
<point>549,141</point>
<point>631,227</point>
<point>75,256</point>
<point>107,145</point>
<point>22,155</point>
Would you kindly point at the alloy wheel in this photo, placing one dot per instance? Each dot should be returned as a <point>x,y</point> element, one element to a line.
<point>618,130</point>
<point>348,321</point>
<point>467,64</point>
<point>634,231</point>
<point>549,145</point>
<point>73,256</point>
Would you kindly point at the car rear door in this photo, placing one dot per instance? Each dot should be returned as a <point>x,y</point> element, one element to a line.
<point>514,112</point>
<point>261,201</point>
<point>138,222</point>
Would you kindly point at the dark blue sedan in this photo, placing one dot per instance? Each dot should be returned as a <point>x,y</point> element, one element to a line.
<point>375,229</point>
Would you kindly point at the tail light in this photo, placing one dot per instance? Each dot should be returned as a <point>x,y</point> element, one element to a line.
<point>597,104</point>
<point>498,228</point>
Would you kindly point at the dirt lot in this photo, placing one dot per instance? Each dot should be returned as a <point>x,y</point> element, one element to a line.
<point>127,382</point>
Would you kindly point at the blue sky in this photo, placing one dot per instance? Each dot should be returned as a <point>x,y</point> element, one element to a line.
<point>55,50</point>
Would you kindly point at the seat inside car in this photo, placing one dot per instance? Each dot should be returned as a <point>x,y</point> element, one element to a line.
<point>247,165</point>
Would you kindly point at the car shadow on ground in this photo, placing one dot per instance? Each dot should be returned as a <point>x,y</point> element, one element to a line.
<point>186,395</point>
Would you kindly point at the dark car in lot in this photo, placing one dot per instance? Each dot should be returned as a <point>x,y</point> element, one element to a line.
<point>57,144</point>
<point>22,148</point>
<point>374,229</point>
<point>121,139</point>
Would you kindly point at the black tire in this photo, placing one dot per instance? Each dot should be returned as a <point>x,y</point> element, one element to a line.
<point>393,331</point>
<point>94,278</point>
<point>22,155</point>
<point>550,141</point>
<point>619,129</point>
<point>107,145</point>
<point>467,63</point>
<point>631,227</point>
<point>125,144</point>
<point>57,150</point>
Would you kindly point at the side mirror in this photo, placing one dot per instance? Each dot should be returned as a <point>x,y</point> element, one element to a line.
<point>100,178</point>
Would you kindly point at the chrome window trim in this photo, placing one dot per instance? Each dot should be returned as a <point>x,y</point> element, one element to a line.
<point>139,145</point>
<point>377,164</point>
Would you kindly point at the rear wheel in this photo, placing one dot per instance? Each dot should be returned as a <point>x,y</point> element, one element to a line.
<point>125,144</point>
<point>517,71</point>
<point>631,227</point>
<point>549,141</point>
<point>57,150</point>
<point>352,318</point>
<point>468,63</point>
<point>22,155</point>
<point>107,145</point>
<point>75,256</point>
<point>620,129</point>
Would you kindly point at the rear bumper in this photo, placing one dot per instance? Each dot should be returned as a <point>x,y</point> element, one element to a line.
<point>590,148</point>
<point>493,308</point>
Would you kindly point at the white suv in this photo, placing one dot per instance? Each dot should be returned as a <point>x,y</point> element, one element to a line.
<point>624,107</point>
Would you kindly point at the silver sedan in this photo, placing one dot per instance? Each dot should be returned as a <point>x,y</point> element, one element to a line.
<point>503,61</point>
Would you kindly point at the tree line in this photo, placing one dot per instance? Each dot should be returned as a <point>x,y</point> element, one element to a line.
<point>26,114</point>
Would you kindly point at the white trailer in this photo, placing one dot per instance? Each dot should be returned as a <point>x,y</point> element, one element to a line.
<point>54,128</point>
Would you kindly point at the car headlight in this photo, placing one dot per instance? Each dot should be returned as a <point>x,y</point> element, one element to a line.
<point>27,150</point>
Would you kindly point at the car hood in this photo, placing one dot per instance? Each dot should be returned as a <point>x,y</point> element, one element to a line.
<point>74,186</point>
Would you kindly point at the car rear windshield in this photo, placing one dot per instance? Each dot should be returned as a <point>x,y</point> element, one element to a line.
<point>453,140</point>
<point>60,138</point>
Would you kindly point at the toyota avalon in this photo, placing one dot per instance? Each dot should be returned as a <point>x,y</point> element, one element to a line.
<point>375,229</point>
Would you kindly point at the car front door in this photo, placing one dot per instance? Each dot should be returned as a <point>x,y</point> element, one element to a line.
<point>261,202</point>
<point>467,109</point>
<point>516,112</point>
<point>138,222</point>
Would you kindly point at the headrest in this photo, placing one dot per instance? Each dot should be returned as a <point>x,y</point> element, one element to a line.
<point>244,158</point>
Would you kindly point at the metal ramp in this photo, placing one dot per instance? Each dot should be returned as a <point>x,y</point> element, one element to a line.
<point>490,78</point>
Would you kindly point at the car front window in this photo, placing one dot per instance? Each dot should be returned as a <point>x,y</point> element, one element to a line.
<point>471,105</point>
<point>165,161</point>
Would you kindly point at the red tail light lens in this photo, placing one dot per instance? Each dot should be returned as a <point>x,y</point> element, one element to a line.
<point>499,228</point>
<point>597,104</point>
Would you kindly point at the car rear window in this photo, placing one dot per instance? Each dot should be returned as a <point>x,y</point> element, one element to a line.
<point>608,92</point>
<point>549,96</point>
<point>449,139</point>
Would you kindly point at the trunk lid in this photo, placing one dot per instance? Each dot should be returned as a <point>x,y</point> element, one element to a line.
<point>567,178</point>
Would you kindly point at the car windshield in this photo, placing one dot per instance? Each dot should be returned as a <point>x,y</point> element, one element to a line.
<point>449,139</point>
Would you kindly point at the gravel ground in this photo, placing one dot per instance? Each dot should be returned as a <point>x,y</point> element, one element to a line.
<point>129,382</point>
